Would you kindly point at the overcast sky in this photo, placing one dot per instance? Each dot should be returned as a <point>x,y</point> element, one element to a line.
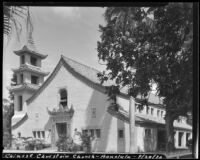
<point>69,31</point>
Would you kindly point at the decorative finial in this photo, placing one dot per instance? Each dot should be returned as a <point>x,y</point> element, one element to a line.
<point>30,42</point>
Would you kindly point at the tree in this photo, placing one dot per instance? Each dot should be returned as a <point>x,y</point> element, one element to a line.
<point>13,83</point>
<point>8,112</point>
<point>141,46</point>
<point>13,19</point>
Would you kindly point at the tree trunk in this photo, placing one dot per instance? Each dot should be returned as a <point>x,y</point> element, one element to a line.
<point>11,113</point>
<point>133,142</point>
<point>169,133</point>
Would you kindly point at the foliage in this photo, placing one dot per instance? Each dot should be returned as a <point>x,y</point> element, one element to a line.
<point>29,143</point>
<point>13,83</point>
<point>37,144</point>
<point>86,142</point>
<point>66,144</point>
<point>141,46</point>
<point>12,17</point>
<point>8,112</point>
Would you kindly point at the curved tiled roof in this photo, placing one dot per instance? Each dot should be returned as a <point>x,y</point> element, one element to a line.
<point>26,67</point>
<point>18,120</point>
<point>29,49</point>
<point>87,73</point>
<point>24,86</point>
<point>91,74</point>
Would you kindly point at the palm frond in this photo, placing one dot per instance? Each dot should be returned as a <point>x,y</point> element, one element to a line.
<point>12,21</point>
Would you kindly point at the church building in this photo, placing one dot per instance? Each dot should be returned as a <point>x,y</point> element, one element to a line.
<point>72,97</point>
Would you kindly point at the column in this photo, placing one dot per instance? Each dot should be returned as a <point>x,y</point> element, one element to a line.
<point>184,139</point>
<point>176,139</point>
<point>133,141</point>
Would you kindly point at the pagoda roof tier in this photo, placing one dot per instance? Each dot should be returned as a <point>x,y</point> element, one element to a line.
<point>30,68</point>
<point>23,86</point>
<point>30,50</point>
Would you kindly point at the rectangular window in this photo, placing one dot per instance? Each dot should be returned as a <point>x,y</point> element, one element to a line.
<point>34,134</point>
<point>158,113</point>
<point>147,109</point>
<point>152,111</point>
<point>121,133</point>
<point>20,103</point>
<point>23,59</point>
<point>180,135</point>
<point>21,78</point>
<point>98,133</point>
<point>38,134</point>
<point>161,113</point>
<point>92,132</point>
<point>33,61</point>
<point>43,134</point>
<point>34,79</point>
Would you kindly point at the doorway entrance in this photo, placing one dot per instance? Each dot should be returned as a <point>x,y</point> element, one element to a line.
<point>61,129</point>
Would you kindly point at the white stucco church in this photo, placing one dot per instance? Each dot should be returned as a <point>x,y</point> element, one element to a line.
<point>72,97</point>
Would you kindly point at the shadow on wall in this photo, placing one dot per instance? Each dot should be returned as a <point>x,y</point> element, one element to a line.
<point>100,120</point>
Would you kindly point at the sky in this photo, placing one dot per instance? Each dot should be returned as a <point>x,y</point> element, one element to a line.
<point>69,31</point>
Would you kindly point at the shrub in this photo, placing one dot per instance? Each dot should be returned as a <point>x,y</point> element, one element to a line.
<point>65,144</point>
<point>86,145</point>
<point>37,144</point>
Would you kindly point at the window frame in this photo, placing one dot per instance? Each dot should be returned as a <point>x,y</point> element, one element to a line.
<point>23,59</point>
<point>32,79</point>
<point>33,61</point>
<point>120,133</point>
<point>98,135</point>
<point>63,100</point>
<point>20,102</point>
<point>34,134</point>
<point>161,113</point>
<point>43,134</point>
<point>158,113</point>
<point>38,134</point>
<point>152,110</point>
<point>147,110</point>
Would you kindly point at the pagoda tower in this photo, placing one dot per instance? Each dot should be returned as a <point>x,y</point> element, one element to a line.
<point>29,74</point>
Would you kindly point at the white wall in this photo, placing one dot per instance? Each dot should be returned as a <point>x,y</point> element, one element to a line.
<point>83,98</point>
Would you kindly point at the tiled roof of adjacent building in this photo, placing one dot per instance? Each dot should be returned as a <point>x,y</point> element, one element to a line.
<point>139,118</point>
<point>26,67</point>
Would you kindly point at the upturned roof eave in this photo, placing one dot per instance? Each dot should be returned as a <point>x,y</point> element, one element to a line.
<point>16,70</point>
<point>21,87</point>
<point>21,51</point>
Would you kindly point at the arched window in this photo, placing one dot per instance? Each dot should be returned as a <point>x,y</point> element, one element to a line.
<point>63,97</point>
